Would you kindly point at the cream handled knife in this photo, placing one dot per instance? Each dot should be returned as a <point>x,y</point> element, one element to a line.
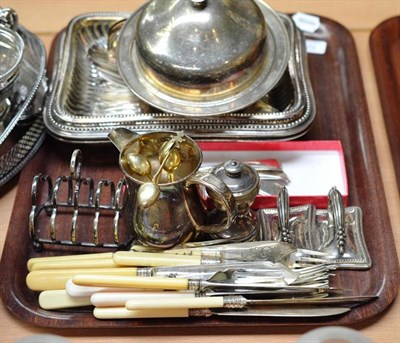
<point>119,299</point>
<point>239,302</point>
<point>86,291</point>
<point>270,311</point>
<point>112,260</point>
<point>42,280</point>
<point>71,258</point>
<point>131,281</point>
<point>59,299</point>
<point>74,264</point>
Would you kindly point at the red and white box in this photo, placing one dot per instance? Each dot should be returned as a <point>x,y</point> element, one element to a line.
<point>313,167</point>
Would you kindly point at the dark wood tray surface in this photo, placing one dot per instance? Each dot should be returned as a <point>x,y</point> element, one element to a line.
<point>342,115</point>
<point>385,49</point>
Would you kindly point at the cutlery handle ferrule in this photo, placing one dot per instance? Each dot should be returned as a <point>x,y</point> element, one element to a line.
<point>235,301</point>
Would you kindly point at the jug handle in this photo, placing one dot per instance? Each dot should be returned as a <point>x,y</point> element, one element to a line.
<point>225,196</point>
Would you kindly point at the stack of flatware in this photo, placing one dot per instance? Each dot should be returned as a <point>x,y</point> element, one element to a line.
<point>283,281</point>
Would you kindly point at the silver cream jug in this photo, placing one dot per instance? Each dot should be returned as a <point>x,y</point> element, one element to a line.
<point>164,206</point>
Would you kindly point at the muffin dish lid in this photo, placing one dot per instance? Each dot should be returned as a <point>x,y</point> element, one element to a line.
<point>202,57</point>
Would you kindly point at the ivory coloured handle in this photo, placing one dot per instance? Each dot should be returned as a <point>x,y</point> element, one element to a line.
<point>123,313</point>
<point>174,303</point>
<point>130,258</point>
<point>81,257</point>
<point>42,280</point>
<point>119,299</point>
<point>75,264</point>
<point>57,299</point>
<point>127,281</point>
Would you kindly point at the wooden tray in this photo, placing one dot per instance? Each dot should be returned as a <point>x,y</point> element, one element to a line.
<point>342,115</point>
<point>385,49</point>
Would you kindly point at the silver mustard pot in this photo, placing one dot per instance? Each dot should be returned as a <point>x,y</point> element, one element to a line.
<point>244,182</point>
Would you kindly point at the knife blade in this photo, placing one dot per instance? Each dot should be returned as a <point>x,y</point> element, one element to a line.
<point>239,302</point>
<point>297,311</point>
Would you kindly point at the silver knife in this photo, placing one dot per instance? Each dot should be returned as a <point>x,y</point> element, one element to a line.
<point>279,311</point>
<point>240,302</point>
<point>295,311</point>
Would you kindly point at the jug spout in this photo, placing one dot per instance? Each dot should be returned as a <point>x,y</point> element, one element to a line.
<point>121,136</point>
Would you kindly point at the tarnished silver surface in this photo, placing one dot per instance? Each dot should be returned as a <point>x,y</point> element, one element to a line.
<point>177,213</point>
<point>48,202</point>
<point>30,86</point>
<point>241,178</point>
<point>272,178</point>
<point>11,53</point>
<point>196,46</point>
<point>11,48</point>
<point>206,61</point>
<point>26,102</point>
<point>19,154</point>
<point>85,103</point>
<point>244,182</point>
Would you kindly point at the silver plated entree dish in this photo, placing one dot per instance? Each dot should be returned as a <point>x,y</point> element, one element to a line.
<point>88,98</point>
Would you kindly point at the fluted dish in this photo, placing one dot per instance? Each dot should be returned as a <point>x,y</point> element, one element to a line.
<point>202,58</point>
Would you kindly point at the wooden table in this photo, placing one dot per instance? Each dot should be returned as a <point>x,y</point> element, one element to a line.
<point>47,17</point>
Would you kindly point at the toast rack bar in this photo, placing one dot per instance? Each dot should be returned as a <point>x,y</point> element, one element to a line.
<point>75,185</point>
